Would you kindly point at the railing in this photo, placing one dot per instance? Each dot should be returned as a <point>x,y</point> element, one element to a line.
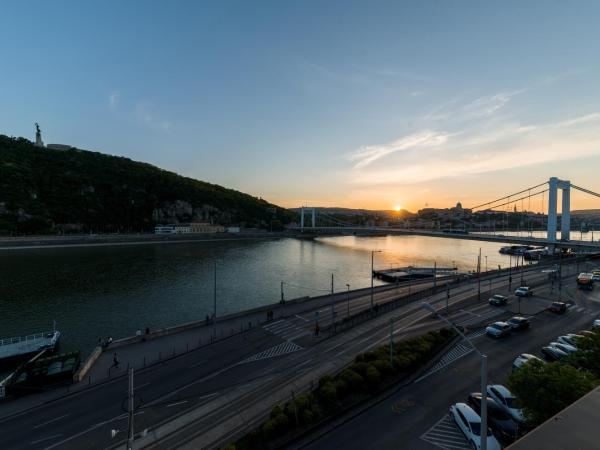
<point>31,337</point>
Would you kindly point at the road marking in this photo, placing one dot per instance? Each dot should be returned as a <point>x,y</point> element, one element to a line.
<point>199,363</point>
<point>285,329</point>
<point>177,403</point>
<point>445,434</point>
<point>45,439</point>
<point>81,433</point>
<point>139,387</point>
<point>278,350</point>
<point>202,397</point>
<point>300,317</point>
<point>454,354</point>
<point>50,421</point>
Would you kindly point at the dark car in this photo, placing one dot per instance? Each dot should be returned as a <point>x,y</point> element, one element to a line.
<point>558,307</point>
<point>553,353</point>
<point>498,300</point>
<point>504,428</point>
<point>518,323</point>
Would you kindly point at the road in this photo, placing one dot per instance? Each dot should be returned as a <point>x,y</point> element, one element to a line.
<point>416,417</point>
<point>207,396</point>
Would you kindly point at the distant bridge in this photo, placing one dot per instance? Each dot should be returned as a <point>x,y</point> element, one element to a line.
<point>553,185</point>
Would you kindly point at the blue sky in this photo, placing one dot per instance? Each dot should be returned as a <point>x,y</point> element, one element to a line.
<point>354,103</point>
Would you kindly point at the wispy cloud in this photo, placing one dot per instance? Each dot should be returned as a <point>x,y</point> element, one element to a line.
<point>431,155</point>
<point>371,153</point>
<point>113,99</point>
<point>145,113</point>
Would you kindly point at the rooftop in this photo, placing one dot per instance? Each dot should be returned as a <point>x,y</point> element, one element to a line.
<point>575,427</point>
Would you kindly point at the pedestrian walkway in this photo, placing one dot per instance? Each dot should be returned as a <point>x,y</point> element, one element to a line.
<point>281,349</point>
<point>285,330</point>
<point>445,434</point>
<point>482,317</point>
<point>584,310</point>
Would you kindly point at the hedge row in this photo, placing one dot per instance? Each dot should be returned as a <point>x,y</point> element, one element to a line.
<point>368,374</point>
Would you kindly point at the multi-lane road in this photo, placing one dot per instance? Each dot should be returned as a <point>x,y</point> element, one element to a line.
<point>416,417</point>
<point>207,396</point>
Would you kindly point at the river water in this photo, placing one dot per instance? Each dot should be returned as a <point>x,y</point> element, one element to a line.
<point>116,290</point>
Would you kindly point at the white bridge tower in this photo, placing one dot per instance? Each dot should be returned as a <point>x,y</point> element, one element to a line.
<point>565,223</point>
<point>314,217</point>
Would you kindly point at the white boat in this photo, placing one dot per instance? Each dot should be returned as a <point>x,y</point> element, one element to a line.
<point>20,347</point>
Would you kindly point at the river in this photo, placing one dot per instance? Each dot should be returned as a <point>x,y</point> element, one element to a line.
<point>116,290</point>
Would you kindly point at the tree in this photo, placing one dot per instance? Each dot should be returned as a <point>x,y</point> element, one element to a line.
<point>546,389</point>
<point>588,355</point>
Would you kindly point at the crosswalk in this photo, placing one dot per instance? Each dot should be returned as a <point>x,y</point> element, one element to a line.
<point>285,330</point>
<point>455,353</point>
<point>584,310</point>
<point>279,350</point>
<point>445,434</point>
<point>481,317</point>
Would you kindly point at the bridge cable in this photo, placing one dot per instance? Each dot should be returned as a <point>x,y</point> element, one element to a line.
<point>511,195</point>
<point>518,199</point>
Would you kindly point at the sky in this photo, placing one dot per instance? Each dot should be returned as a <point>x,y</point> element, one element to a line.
<point>364,104</point>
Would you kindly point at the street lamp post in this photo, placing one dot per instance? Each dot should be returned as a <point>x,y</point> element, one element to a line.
<point>215,305</point>
<point>372,274</point>
<point>348,286</point>
<point>483,433</point>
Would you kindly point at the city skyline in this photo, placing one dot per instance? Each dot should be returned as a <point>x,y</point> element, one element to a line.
<point>344,104</point>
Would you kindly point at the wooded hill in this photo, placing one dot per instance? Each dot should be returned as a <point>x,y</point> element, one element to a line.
<point>49,191</point>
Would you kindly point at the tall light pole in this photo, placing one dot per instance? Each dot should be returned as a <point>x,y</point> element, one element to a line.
<point>215,305</point>
<point>372,274</point>
<point>130,412</point>
<point>332,305</point>
<point>483,433</point>
<point>348,286</point>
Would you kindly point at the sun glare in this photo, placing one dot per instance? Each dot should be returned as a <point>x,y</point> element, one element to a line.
<point>397,208</point>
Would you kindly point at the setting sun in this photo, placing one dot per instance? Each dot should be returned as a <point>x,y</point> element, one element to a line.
<point>397,208</point>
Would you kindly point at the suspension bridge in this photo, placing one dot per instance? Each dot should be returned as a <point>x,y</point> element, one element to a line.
<point>324,223</point>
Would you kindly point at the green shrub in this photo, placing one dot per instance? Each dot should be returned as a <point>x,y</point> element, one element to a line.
<point>325,379</point>
<point>281,422</point>
<point>341,387</point>
<point>269,429</point>
<point>229,447</point>
<point>307,417</point>
<point>383,366</point>
<point>373,377</point>
<point>354,381</point>
<point>276,411</point>
<point>328,392</point>
<point>359,358</point>
<point>303,401</point>
<point>360,368</point>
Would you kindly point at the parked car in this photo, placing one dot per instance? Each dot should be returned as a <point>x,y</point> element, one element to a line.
<point>518,323</point>
<point>469,422</point>
<point>587,333</point>
<point>502,425</point>
<point>596,276</point>
<point>558,307</point>
<point>507,401</point>
<point>563,347</point>
<point>498,329</point>
<point>524,291</point>
<point>569,339</point>
<point>596,323</point>
<point>524,358</point>
<point>498,300</point>
<point>553,354</point>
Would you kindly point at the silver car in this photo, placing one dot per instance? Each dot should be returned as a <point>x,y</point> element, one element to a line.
<point>498,329</point>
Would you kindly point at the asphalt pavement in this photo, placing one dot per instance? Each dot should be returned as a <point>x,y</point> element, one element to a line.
<point>417,416</point>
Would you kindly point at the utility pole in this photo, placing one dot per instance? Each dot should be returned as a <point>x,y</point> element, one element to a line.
<point>434,275</point>
<point>392,341</point>
<point>130,412</point>
<point>215,305</point>
<point>479,275</point>
<point>509,272</point>
<point>447,298</point>
<point>348,286</point>
<point>372,274</point>
<point>332,305</point>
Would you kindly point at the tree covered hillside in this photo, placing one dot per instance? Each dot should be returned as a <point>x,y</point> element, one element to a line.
<point>49,191</point>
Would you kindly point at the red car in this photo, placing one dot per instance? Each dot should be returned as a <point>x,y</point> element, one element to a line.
<point>558,307</point>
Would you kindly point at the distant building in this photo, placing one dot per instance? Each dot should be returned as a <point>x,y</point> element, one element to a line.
<point>164,229</point>
<point>186,228</point>
<point>59,147</point>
